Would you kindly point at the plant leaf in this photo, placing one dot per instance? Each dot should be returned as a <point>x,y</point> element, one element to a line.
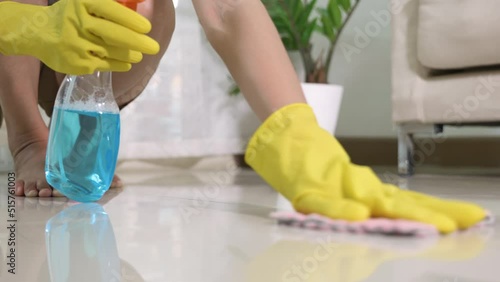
<point>335,13</point>
<point>346,5</point>
<point>289,43</point>
<point>327,26</point>
<point>298,9</point>
<point>234,89</point>
<point>281,21</point>
<point>306,35</point>
<point>305,15</point>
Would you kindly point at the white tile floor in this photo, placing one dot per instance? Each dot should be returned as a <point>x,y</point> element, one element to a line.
<point>172,224</point>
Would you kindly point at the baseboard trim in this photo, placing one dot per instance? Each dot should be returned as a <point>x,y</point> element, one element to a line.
<point>452,152</point>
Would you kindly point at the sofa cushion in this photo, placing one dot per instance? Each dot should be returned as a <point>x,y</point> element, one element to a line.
<point>456,34</point>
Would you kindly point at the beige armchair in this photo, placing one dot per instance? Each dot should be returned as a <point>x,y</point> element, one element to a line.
<point>445,68</point>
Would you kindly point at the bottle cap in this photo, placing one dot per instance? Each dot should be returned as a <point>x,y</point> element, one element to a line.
<point>132,4</point>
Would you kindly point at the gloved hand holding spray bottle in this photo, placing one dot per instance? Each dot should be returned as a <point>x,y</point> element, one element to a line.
<point>84,135</point>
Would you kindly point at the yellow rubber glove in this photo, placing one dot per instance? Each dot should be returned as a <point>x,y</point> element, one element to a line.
<point>311,169</point>
<point>76,36</point>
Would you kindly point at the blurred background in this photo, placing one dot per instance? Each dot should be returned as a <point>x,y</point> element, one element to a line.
<point>186,110</point>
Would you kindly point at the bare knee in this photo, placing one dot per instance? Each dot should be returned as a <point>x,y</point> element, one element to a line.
<point>162,17</point>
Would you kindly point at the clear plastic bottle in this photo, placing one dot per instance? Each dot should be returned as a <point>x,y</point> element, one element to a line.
<point>84,137</point>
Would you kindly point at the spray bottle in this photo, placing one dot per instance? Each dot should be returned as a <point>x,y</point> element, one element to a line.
<point>84,135</point>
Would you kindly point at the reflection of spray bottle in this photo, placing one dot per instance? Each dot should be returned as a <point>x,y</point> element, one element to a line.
<point>84,135</point>
<point>81,245</point>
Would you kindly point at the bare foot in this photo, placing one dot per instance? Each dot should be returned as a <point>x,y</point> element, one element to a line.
<point>30,172</point>
<point>116,182</point>
<point>29,163</point>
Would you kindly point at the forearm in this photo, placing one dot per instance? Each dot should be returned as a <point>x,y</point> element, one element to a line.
<point>245,37</point>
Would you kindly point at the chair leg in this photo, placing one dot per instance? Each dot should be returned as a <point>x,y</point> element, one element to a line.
<point>405,153</point>
<point>406,144</point>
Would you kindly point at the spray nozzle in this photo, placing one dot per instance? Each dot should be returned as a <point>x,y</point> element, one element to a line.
<point>132,4</point>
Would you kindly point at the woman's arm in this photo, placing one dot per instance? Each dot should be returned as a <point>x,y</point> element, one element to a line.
<point>244,36</point>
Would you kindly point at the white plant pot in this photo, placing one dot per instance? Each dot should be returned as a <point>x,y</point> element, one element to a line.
<point>325,100</point>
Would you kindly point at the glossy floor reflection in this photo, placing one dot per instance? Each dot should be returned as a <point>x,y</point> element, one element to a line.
<point>174,224</point>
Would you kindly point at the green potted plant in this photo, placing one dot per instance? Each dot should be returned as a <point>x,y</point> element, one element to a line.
<point>297,21</point>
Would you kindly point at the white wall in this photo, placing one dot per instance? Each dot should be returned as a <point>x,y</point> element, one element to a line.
<point>366,108</point>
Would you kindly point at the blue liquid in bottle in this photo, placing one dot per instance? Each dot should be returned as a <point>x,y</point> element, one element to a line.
<point>81,156</point>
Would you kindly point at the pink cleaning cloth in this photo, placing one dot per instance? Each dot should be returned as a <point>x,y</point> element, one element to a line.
<point>373,225</point>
